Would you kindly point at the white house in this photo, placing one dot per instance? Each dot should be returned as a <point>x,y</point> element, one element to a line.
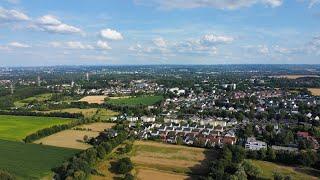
<point>148,119</point>
<point>253,144</point>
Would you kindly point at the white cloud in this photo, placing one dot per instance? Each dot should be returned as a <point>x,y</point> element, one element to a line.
<point>111,34</point>
<point>18,45</point>
<point>51,24</point>
<point>9,15</point>
<point>160,42</point>
<point>71,45</point>
<point>103,45</point>
<point>212,39</point>
<point>219,4</point>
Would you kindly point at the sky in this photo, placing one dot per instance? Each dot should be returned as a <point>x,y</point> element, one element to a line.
<point>124,32</point>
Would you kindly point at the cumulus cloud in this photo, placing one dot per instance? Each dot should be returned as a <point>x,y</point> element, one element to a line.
<point>219,4</point>
<point>52,24</point>
<point>18,45</point>
<point>314,45</point>
<point>103,45</point>
<point>8,15</point>
<point>111,34</point>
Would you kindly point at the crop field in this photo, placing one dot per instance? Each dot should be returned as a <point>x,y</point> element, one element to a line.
<point>31,161</point>
<point>315,91</point>
<point>39,98</point>
<point>93,99</point>
<point>74,138</point>
<point>268,168</point>
<point>163,161</point>
<point>18,127</point>
<point>294,76</point>
<point>134,101</point>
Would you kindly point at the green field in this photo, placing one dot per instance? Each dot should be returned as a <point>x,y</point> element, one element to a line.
<point>134,101</point>
<point>38,98</point>
<point>18,127</point>
<point>268,168</point>
<point>31,161</point>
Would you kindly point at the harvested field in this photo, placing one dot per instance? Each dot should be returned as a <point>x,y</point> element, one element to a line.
<point>314,91</point>
<point>171,158</point>
<point>68,139</point>
<point>74,138</point>
<point>293,76</point>
<point>145,174</point>
<point>93,99</point>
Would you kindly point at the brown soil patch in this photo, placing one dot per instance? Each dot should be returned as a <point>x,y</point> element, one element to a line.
<point>93,99</point>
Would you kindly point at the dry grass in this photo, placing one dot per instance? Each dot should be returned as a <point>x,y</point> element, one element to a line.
<point>74,138</point>
<point>93,99</point>
<point>97,127</point>
<point>314,91</point>
<point>68,139</point>
<point>294,76</point>
<point>104,114</point>
<point>171,159</point>
<point>146,174</point>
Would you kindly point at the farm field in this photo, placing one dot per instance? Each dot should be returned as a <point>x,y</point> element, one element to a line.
<point>93,99</point>
<point>294,76</point>
<point>103,114</point>
<point>74,138</point>
<point>134,101</point>
<point>39,98</point>
<point>165,160</point>
<point>31,161</point>
<point>16,128</point>
<point>295,172</point>
<point>314,91</point>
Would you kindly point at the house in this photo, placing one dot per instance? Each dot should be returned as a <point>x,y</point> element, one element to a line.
<point>253,144</point>
<point>148,119</point>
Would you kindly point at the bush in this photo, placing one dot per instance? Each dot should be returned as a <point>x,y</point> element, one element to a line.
<point>124,166</point>
<point>6,176</point>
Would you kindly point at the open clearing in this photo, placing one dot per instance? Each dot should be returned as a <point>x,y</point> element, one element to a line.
<point>31,161</point>
<point>16,128</point>
<point>74,138</point>
<point>293,76</point>
<point>314,91</point>
<point>169,160</point>
<point>295,172</point>
<point>93,99</point>
<point>134,101</point>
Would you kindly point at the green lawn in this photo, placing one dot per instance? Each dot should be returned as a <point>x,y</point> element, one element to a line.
<point>134,101</point>
<point>31,161</point>
<point>18,127</point>
<point>268,168</point>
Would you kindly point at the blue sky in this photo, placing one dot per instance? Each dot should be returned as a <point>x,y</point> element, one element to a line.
<point>94,32</point>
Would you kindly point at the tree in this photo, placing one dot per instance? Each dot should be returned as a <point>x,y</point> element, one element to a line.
<point>271,155</point>
<point>124,165</point>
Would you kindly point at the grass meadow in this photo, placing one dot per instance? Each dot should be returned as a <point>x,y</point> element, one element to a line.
<point>16,128</point>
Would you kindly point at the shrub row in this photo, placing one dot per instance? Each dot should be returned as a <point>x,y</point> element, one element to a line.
<point>81,165</point>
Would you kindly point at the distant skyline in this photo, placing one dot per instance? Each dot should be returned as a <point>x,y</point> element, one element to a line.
<point>129,32</point>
